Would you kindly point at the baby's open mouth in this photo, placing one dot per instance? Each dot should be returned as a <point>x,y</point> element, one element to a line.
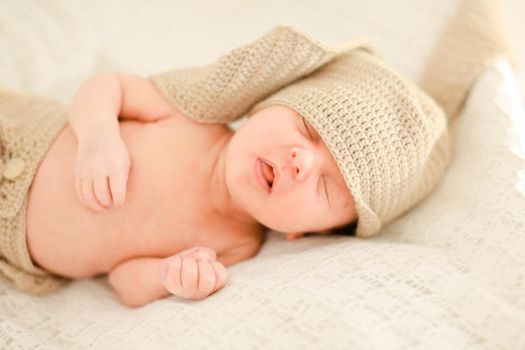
<point>268,174</point>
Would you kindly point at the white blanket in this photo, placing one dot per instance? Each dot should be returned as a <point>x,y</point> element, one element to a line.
<point>448,275</point>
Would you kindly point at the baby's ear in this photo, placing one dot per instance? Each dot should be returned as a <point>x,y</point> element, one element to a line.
<point>292,236</point>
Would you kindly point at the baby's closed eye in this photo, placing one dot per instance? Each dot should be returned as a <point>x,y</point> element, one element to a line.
<point>311,133</point>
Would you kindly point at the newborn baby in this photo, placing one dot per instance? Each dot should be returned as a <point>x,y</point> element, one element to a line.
<point>190,185</point>
<point>147,184</point>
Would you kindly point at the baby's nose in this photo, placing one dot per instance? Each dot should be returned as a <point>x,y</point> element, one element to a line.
<point>302,161</point>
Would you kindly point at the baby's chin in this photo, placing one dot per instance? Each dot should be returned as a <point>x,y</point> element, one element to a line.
<point>267,222</point>
<point>280,226</point>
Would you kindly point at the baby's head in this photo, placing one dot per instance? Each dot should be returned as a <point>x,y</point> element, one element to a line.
<point>282,173</point>
<point>351,145</point>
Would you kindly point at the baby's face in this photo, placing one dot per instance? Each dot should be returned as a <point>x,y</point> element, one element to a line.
<point>281,172</point>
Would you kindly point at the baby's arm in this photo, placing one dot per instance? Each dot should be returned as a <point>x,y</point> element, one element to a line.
<point>104,98</point>
<point>102,164</point>
<point>194,274</point>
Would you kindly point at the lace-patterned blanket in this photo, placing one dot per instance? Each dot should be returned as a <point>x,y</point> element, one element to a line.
<point>449,274</point>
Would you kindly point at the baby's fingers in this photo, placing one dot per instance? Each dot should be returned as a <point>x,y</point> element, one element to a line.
<point>221,275</point>
<point>89,196</point>
<point>117,184</point>
<point>171,273</point>
<point>192,279</point>
<point>207,278</point>
<point>200,253</point>
<point>102,191</point>
<point>189,274</point>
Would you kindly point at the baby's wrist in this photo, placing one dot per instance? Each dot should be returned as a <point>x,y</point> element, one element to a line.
<point>91,137</point>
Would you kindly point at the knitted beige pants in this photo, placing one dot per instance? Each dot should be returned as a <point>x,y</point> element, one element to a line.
<point>28,125</point>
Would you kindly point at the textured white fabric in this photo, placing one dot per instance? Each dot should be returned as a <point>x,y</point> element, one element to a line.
<point>448,275</point>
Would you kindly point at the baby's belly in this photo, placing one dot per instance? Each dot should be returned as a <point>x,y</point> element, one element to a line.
<point>67,238</point>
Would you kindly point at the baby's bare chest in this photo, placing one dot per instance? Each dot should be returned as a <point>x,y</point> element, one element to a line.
<point>169,207</point>
<point>165,210</point>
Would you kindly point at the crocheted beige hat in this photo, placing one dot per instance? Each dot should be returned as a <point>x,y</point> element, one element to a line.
<point>389,139</point>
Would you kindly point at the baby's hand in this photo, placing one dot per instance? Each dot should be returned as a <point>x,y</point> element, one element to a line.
<point>193,274</point>
<point>102,170</point>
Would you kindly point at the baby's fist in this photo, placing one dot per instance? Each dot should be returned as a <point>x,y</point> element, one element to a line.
<point>193,274</point>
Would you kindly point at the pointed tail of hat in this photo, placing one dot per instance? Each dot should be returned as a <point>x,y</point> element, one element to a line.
<point>472,39</point>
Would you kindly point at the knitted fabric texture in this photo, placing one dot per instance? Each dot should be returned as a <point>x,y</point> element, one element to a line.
<point>473,38</point>
<point>389,139</point>
<point>224,91</point>
<point>28,125</point>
